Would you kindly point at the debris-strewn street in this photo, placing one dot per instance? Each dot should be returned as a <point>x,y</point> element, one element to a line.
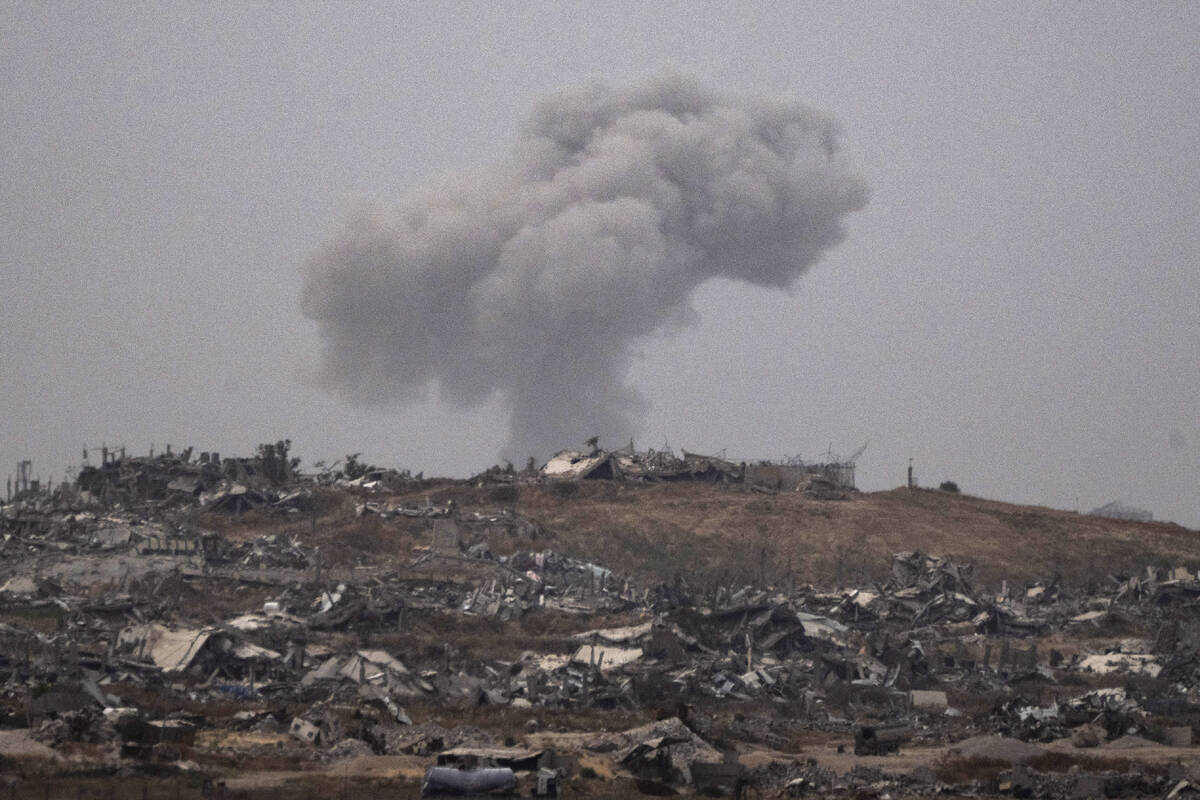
<point>232,626</point>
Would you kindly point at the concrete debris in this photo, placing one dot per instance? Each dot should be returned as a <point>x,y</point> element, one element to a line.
<point>1105,663</point>
<point>663,753</point>
<point>928,700</point>
<point>137,600</point>
<point>833,480</point>
<point>305,731</point>
<point>19,585</point>
<point>169,650</point>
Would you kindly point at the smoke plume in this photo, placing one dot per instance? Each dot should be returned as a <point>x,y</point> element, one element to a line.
<point>533,279</point>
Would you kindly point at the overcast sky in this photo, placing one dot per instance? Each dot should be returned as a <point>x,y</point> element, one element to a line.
<point>1017,307</point>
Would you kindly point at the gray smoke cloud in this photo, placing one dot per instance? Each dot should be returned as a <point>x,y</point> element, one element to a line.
<point>534,279</point>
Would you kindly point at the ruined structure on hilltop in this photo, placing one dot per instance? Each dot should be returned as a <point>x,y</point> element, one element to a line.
<point>789,475</point>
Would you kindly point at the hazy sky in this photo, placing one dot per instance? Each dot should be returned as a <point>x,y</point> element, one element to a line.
<point>1017,307</point>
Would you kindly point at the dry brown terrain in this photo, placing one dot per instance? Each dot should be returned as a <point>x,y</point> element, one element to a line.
<point>709,533</point>
<point>699,529</point>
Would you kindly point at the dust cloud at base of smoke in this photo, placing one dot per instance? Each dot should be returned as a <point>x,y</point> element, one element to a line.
<point>535,278</point>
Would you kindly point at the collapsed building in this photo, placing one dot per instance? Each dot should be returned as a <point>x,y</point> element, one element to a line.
<point>118,618</point>
<point>131,479</point>
<point>663,465</point>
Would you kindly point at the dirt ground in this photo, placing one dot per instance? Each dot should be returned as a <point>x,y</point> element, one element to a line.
<point>18,744</point>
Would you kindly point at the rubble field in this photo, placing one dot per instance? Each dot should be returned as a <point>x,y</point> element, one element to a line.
<point>202,627</point>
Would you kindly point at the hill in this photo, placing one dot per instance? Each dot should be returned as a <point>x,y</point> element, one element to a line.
<point>709,533</point>
<point>698,529</point>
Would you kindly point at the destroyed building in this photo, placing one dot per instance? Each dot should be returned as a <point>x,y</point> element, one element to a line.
<point>129,479</point>
<point>148,632</point>
<point>663,465</point>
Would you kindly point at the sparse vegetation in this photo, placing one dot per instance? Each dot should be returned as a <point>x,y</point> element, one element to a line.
<point>353,469</point>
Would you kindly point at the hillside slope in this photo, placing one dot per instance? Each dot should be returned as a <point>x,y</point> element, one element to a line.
<point>712,533</point>
<point>709,534</point>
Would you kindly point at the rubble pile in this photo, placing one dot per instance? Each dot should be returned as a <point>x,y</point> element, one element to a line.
<point>114,635</point>
<point>830,480</point>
